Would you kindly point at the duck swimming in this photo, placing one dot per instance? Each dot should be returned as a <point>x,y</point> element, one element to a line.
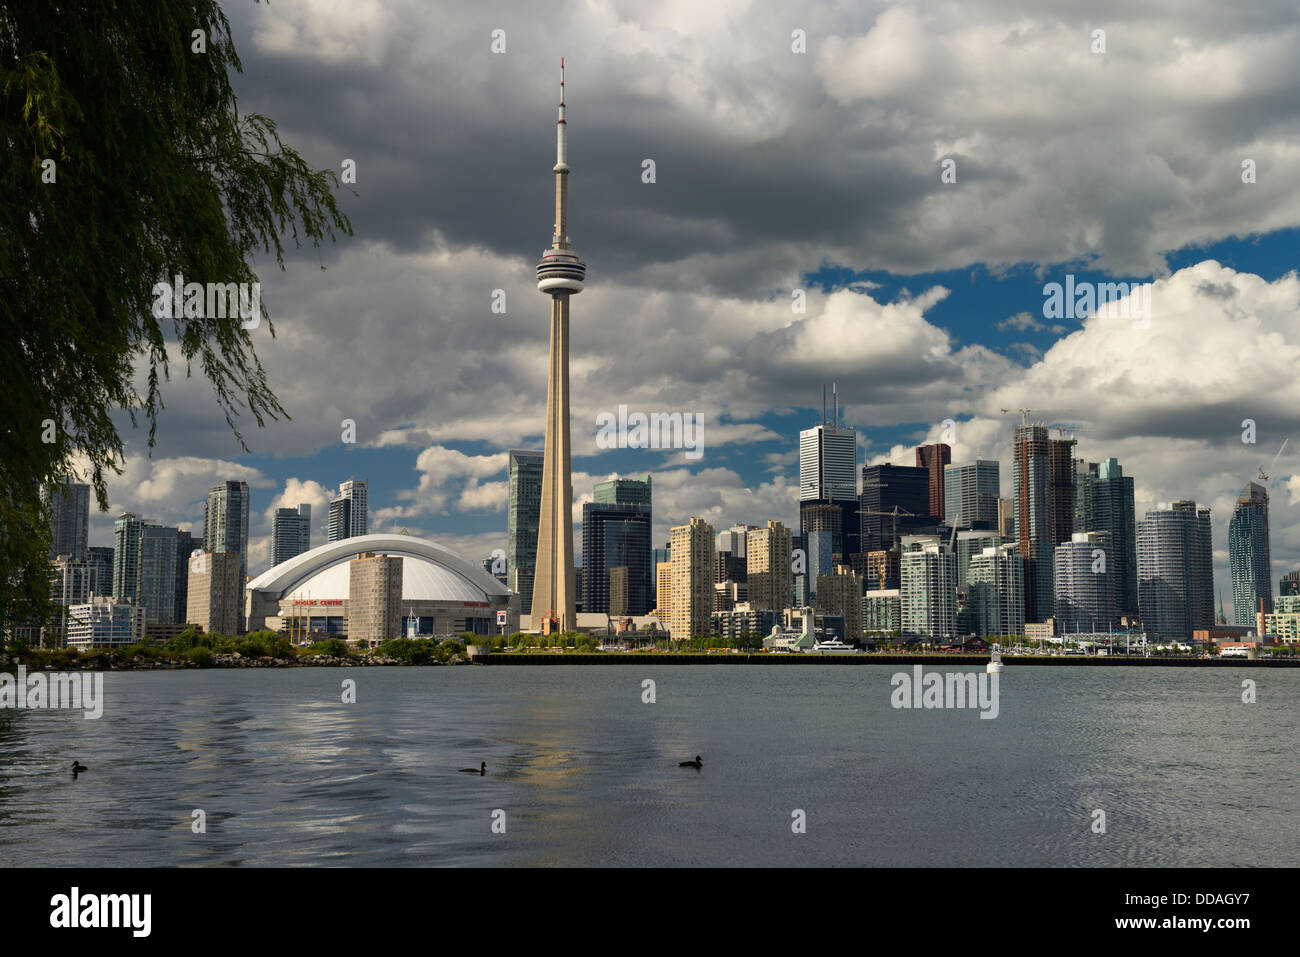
<point>697,763</point>
<point>480,770</point>
<point>78,767</point>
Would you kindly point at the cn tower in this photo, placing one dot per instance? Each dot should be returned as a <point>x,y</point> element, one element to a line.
<point>559,275</point>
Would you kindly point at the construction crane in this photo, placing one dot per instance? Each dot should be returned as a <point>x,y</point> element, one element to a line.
<point>1064,427</point>
<point>893,513</point>
<point>1263,476</point>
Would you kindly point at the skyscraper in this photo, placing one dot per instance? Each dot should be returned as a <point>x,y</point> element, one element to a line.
<point>1060,466</point>
<point>828,475</point>
<point>622,491</point>
<point>929,589</point>
<point>69,520</point>
<point>616,535</point>
<point>560,274</point>
<point>885,487</point>
<point>970,496</point>
<point>1033,493</point>
<point>126,555</point>
<point>996,582</point>
<point>225,529</point>
<point>156,577</point>
<point>1084,580</point>
<point>821,534</point>
<point>374,599</point>
<point>291,533</point>
<point>933,458</point>
<point>768,566</point>
<point>1175,586</point>
<point>522,515</point>
<point>1104,503</point>
<point>101,564</point>
<point>1248,555</point>
<point>215,599</point>
<point>691,580</point>
<point>350,512</point>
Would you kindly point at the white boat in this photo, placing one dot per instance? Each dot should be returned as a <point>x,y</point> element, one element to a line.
<point>995,661</point>
<point>834,647</point>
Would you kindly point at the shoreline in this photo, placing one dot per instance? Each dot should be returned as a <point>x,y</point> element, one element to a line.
<point>109,662</point>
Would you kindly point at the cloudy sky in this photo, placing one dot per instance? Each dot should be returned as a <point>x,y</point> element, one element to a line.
<point>795,147</point>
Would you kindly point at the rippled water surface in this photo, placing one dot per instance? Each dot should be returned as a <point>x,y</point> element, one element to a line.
<point>587,774</point>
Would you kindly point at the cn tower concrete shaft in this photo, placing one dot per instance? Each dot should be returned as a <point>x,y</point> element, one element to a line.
<point>560,274</point>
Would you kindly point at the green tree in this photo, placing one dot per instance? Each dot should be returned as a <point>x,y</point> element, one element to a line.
<point>126,162</point>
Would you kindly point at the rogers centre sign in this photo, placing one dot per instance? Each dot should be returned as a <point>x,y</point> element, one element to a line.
<point>318,601</point>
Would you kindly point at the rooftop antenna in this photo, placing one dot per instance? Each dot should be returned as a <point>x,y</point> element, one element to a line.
<point>835,392</point>
<point>823,403</point>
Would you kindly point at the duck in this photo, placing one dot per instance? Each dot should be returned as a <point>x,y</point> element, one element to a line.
<point>697,763</point>
<point>78,767</point>
<point>480,770</point>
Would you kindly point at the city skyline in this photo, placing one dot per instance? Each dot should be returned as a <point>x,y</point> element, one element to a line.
<point>915,332</point>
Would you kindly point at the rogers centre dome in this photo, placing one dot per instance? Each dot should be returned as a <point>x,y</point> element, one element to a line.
<point>442,593</point>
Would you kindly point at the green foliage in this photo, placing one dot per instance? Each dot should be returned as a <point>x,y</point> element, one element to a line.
<point>157,173</point>
<point>417,651</point>
<point>200,656</point>
<point>331,647</point>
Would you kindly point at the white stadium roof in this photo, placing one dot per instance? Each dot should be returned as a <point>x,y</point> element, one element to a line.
<point>429,571</point>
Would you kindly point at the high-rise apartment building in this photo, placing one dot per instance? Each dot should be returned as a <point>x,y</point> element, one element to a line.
<point>691,603</point>
<point>768,567</point>
<point>928,570</point>
<point>70,584</point>
<point>350,512</point>
<point>1289,584</point>
<point>933,458</point>
<point>225,528</point>
<point>840,593</point>
<point>1175,584</point>
<point>523,513</point>
<point>126,555</point>
<point>291,533</point>
<point>996,584</point>
<point>374,599</point>
<point>69,520</point>
<point>1085,583</point>
<point>1104,503</point>
<point>1248,555</point>
<point>1061,498</point>
<point>101,565</point>
<point>967,546</point>
<point>1033,493</point>
<point>215,601</point>
<point>156,577</point>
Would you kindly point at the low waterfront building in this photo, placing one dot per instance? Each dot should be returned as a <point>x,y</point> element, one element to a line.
<point>104,622</point>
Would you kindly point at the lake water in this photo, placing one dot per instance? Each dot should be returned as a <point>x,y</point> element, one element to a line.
<point>586,774</point>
